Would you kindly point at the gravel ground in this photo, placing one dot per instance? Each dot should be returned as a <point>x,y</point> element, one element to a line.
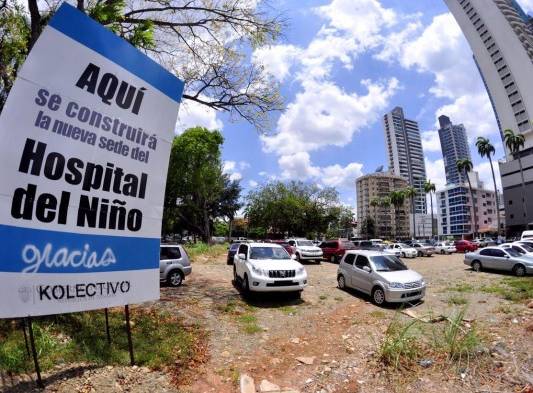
<point>327,340</point>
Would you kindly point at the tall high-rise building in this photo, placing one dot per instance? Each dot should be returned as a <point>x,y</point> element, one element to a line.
<point>454,144</point>
<point>500,34</point>
<point>406,157</point>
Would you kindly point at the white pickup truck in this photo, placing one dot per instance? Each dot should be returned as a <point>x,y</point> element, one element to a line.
<point>305,250</point>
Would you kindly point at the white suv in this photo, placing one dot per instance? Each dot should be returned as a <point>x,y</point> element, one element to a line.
<point>305,250</point>
<point>266,267</point>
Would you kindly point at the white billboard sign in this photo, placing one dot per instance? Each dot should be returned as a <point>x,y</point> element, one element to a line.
<point>85,138</point>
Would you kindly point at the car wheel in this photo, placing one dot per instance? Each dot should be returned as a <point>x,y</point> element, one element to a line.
<point>298,258</point>
<point>318,261</point>
<point>230,261</point>
<point>378,296</point>
<point>175,278</point>
<point>519,270</point>
<point>476,266</point>
<point>245,284</point>
<point>296,295</point>
<point>341,282</point>
<point>419,254</point>
<point>333,259</point>
<point>403,254</point>
<point>442,252</point>
<point>235,278</point>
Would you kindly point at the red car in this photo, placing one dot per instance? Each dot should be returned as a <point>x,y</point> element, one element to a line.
<point>334,250</point>
<point>465,246</point>
<point>285,245</point>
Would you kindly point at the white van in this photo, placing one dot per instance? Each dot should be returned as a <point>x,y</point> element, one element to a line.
<point>527,235</point>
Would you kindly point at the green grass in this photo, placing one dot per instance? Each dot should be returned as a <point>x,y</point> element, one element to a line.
<point>457,300</point>
<point>249,323</point>
<point>202,249</point>
<point>515,289</point>
<point>378,314</point>
<point>80,337</point>
<point>401,345</point>
<point>461,287</point>
<point>287,310</point>
<point>323,297</point>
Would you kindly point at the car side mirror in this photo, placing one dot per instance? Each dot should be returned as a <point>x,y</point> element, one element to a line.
<point>367,269</point>
<point>242,256</point>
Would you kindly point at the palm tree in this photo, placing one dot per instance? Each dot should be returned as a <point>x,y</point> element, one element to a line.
<point>385,202</point>
<point>397,199</point>
<point>465,166</point>
<point>514,143</point>
<point>486,149</point>
<point>374,202</point>
<point>430,188</point>
<point>410,192</point>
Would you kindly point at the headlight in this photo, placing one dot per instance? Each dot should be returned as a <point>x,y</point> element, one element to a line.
<point>300,270</point>
<point>259,271</point>
<point>395,285</point>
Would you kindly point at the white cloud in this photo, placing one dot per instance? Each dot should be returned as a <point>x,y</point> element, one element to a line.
<point>253,183</point>
<point>485,175</point>
<point>276,60</point>
<point>230,169</point>
<point>435,172</point>
<point>527,5</point>
<point>324,114</point>
<point>298,166</point>
<point>192,114</point>
<point>235,176</point>
<point>431,141</point>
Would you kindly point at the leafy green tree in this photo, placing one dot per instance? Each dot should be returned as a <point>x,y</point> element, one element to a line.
<point>430,189</point>
<point>486,149</point>
<point>197,191</point>
<point>465,166</point>
<point>220,228</point>
<point>204,42</point>
<point>368,227</point>
<point>292,208</point>
<point>514,143</point>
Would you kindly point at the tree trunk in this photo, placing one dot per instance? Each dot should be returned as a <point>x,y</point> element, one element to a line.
<point>414,216</point>
<point>431,203</point>
<point>229,228</point>
<point>207,229</point>
<point>497,197</point>
<point>524,206</point>
<point>35,22</point>
<point>474,226</point>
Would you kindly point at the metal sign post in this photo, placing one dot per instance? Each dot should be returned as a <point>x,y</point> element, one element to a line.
<point>128,330</point>
<point>107,327</point>
<point>23,322</point>
<point>34,353</point>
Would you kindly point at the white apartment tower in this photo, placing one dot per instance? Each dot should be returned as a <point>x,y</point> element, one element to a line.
<point>406,157</point>
<point>501,37</point>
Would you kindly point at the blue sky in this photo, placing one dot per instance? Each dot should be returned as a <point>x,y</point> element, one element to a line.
<point>341,65</point>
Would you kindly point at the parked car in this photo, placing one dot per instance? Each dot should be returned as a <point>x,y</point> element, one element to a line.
<point>445,248</point>
<point>522,248</point>
<point>305,250</point>
<point>498,258</point>
<point>465,246</point>
<point>333,250</point>
<point>384,277</point>
<point>267,267</point>
<point>283,243</point>
<point>232,250</point>
<point>423,250</point>
<point>527,235</point>
<point>480,243</point>
<point>368,245</point>
<point>174,264</point>
<point>405,250</point>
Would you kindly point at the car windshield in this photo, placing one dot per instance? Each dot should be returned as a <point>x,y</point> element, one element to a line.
<point>512,252</point>
<point>305,243</point>
<point>384,263</point>
<point>234,246</point>
<point>526,247</point>
<point>347,245</point>
<point>403,245</point>
<point>269,253</point>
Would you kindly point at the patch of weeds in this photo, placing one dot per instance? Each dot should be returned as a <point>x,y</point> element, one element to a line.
<point>504,309</point>
<point>461,287</point>
<point>81,337</point>
<point>288,310</point>
<point>458,341</point>
<point>457,300</point>
<point>229,308</point>
<point>378,314</point>
<point>249,323</point>
<point>401,346</point>
<point>515,289</point>
<point>338,298</point>
<point>323,297</point>
<point>203,249</point>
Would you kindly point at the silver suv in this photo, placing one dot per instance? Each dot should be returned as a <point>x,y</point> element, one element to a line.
<point>174,264</point>
<point>384,277</point>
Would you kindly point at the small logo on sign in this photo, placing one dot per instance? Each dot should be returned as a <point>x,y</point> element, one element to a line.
<point>25,294</point>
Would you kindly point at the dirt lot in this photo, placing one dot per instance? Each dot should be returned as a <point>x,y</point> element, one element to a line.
<point>329,340</point>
